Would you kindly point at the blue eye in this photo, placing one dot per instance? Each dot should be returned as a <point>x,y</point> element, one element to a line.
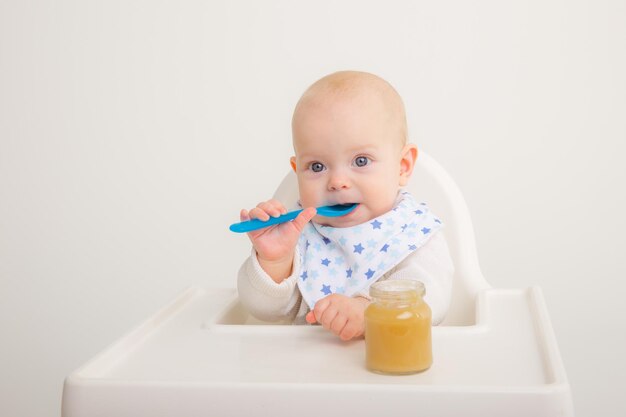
<point>361,161</point>
<point>317,167</point>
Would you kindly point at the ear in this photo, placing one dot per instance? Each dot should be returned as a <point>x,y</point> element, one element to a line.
<point>292,161</point>
<point>407,163</point>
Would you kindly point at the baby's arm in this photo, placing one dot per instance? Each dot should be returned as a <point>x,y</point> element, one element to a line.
<point>263,297</point>
<point>267,279</point>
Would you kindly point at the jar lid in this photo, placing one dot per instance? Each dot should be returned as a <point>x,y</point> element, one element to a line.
<point>397,288</point>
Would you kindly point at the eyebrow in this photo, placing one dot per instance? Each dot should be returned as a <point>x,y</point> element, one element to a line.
<point>364,149</point>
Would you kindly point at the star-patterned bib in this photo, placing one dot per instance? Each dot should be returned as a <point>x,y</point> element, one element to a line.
<point>348,260</point>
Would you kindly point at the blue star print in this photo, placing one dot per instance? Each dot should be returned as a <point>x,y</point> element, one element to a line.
<point>358,248</point>
<point>376,224</point>
<point>354,257</point>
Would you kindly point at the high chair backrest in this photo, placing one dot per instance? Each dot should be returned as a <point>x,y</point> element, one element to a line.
<point>431,184</point>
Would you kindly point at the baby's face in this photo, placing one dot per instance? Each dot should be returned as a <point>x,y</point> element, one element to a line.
<point>347,152</point>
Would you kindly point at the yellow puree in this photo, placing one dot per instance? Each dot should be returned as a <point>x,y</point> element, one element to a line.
<point>398,339</point>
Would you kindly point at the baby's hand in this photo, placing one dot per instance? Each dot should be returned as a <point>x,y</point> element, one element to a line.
<point>275,245</point>
<point>344,316</point>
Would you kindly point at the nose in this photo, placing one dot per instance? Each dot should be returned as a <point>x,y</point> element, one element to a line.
<point>338,181</point>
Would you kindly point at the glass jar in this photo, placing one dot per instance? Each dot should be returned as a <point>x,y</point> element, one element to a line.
<point>397,328</point>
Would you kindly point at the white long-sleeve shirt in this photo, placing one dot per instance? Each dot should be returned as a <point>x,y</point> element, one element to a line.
<point>282,302</point>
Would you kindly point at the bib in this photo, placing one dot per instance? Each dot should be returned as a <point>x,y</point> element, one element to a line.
<point>348,260</point>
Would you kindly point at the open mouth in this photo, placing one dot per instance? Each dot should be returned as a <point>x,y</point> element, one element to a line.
<point>348,209</point>
<point>336,210</point>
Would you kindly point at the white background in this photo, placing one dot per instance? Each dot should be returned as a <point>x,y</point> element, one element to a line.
<point>132,132</point>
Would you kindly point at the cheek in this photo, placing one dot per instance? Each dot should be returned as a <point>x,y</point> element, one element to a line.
<point>381,193</point>
<point>310,194</point>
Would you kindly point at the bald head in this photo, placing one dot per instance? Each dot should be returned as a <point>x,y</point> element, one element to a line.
<point>361,88</point>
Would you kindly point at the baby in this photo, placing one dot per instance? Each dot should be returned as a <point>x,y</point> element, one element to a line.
<point>350,141</point>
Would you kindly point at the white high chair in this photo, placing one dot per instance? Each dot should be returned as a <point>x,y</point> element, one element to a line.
<point>495,353</point>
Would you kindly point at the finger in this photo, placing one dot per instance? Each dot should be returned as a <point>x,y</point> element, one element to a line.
<point>270,208</point>
<point>338,324</point>
<point>328,316</point>
<point>304,217</point>
<point>349,331</point>
<point>310,318</point>
<point>244,216</point>
<point>278,205</point>
<point>320,307</point>
<point>257,213</point>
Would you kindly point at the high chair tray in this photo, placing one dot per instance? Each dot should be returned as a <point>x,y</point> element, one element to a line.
<point>202,356</point>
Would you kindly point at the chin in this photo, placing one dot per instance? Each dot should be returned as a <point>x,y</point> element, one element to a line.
<point>349,220</point>
<point>340,224</point>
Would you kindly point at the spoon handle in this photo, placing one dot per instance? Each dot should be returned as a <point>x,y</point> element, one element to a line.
<point>256,224</point>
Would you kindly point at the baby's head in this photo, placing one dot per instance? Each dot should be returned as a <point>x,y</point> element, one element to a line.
<point>350,143</point>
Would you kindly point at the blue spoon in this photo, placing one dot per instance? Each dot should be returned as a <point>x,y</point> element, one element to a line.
<point>326,211</point>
